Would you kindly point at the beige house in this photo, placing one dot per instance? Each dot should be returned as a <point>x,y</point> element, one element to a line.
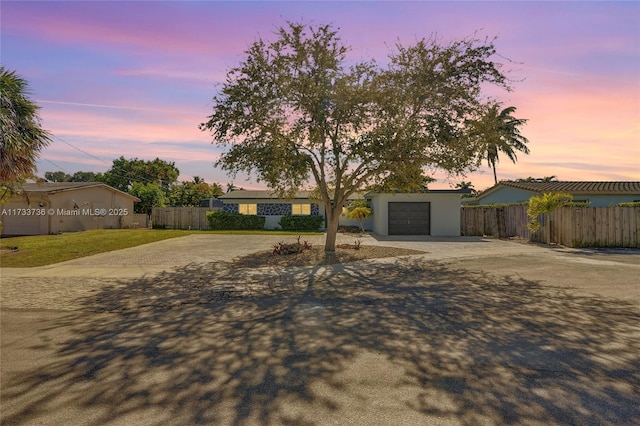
<point>50,208</point>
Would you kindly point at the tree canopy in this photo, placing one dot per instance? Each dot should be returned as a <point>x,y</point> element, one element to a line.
<point>191,193</point>
<point>298,109</point>
<point>125,172</point>
<point>76,177</point>
<point>150,194</point>
<point>21,134</point>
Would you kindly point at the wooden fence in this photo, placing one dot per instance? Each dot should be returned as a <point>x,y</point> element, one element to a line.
<point>592,227</point>
<point>568,226</point>
<point>500,222</point>
<point>181,217</point>
<point>134,221</point>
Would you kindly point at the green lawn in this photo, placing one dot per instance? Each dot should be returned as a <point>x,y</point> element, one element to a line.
<point>40,250</point>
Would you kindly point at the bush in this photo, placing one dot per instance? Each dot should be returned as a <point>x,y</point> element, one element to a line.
<point>221,220</point>
<point>344,229</point>
<point>630,204</point>
<point>283,248</point>
<point>545,204</point>
<point>494,205</point>
<point>301,223</point>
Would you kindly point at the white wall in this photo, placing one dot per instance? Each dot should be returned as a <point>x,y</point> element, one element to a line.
<point>445,211</point>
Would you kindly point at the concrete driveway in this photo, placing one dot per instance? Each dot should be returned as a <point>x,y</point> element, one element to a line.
<point>472,331</point>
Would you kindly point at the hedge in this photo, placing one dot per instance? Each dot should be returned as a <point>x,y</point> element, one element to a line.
<point>301,223</point>
<point>630,204</point>
<point>221,220</point>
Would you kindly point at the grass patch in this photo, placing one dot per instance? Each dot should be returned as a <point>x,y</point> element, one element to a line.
<point>41,250</point>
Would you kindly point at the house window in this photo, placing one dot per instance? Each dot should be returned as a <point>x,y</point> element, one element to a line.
<point>248,209</point>
<point>301,209</point>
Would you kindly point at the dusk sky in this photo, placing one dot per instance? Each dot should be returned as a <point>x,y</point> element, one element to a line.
<point>136,78</point>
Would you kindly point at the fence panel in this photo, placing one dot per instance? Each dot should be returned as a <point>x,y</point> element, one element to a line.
<point>136,220</point>
<point>509,221</point>
<point>181,217</point>
<point>568,226</point>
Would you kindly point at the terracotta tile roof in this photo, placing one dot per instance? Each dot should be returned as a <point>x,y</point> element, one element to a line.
<point>580,187</point>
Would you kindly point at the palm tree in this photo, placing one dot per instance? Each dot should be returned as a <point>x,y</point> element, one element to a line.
<point>216,189</point>
<point>466,185</point>
<point>21,135</point>
<point>231,187</point>
<point>499,131</point>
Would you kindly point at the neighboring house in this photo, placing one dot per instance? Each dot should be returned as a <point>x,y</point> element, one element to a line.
<point>594,194</point>
<point>435,212</point>
<point>50,208</point>
<point>267,204</point>
<point>211,203</point>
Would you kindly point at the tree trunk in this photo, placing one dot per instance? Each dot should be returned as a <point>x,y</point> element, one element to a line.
<point>333,219</point>
<point>495,175</point>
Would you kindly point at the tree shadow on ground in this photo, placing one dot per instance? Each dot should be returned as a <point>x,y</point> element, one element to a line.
<point>207,344</point>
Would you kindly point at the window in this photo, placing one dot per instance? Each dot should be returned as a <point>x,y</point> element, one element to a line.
<point>301,209</point>
<point>248,208</point>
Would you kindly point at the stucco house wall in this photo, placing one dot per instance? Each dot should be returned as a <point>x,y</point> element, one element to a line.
<point>508,195</point>
<point>606,200</point>
<point>273,208</point>
<point>269,205</point>
<point>367,223</point>
<point>597,194</point>
<point>55,208</point>
<point>444,206</point>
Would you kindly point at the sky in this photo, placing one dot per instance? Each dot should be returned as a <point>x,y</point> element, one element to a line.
<point>135,78</point>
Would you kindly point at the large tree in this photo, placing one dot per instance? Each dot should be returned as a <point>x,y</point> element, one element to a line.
<point>57,177</point>
<point>298,109</point>
<point>150,194</point>
<point>190,193</point>
<point>125,172</point>
<point>21,134</point>
<point>76,177</point>
<point>499,131</point>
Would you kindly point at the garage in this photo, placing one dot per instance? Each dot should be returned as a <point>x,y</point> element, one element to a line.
<point>409,218</point>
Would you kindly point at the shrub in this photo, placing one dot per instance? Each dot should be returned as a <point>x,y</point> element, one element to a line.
<point>494,205</point>
<point>630,204</point>
<point>360,213</point>
<point>221,220</point>
<point>283,248</point>
<point>355,246</point>
<point>343,229</point>
<point>545,204</point>
<point>301,223</point>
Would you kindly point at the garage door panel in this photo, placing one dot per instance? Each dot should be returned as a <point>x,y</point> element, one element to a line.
<point>410,218</point>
